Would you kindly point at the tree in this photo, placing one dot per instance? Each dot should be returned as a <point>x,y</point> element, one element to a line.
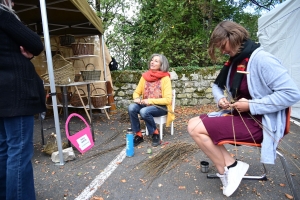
<point>179,29</point>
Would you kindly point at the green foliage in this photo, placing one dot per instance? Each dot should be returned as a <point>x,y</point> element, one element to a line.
<point>179,29</point>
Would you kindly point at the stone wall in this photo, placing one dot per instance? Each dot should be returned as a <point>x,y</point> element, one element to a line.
<point>192,89</point>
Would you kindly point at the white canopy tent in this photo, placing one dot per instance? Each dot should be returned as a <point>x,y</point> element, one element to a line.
<point>279,34</point>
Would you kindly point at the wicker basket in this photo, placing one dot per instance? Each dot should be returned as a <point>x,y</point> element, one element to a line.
<point>80,48</point>
<point>91,75</point>
<point>77,77</point>
<point>54,50</point>
<point>66,40</point>
<point>63,70</point>
<point>60,97</point>
<point>98,100</point>
<point>75,99</point>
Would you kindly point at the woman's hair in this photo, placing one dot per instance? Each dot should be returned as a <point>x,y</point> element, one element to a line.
<point>7,6</point>
<point>163,61</point>
<point>227,30</point>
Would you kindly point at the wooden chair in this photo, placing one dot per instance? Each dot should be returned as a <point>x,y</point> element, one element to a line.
<point>163,119</point>
<point>282,159</point>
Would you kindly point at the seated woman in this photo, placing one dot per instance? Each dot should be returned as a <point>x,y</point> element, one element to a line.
<point>154,88</point>
<point>258,89</point>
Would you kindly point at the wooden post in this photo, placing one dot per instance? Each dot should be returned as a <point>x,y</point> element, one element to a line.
<point>111,101</point>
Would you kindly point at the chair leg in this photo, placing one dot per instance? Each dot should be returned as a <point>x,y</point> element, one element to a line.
<point>147,133</point>
<point>172,128</point>
<point>262,177</point>
<point>161,130</point>
<point>288,175</point>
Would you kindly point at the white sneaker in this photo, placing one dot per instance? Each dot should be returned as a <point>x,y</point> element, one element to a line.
<point>223,178</point>
<point>234,177</point>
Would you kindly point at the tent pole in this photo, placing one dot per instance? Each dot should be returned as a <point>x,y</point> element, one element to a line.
<point>103,55</point>
<point>51,78</point>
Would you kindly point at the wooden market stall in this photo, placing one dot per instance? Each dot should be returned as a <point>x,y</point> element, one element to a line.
<point>53,19</point>
<point>66,19</point>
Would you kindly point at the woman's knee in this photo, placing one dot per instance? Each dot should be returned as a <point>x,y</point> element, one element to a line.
<point>144,112</point>
<point>195,126</point>
<point>132,107</point>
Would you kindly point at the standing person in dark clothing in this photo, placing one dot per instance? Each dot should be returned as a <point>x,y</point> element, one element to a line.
<point>22,96</point>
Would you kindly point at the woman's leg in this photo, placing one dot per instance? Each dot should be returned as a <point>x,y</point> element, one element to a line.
<point>3,160</point>
<point>218,154</point>
<point>19,176</point>
<point>147,113</point>
<point>231,172</point>
<point>134,111</point>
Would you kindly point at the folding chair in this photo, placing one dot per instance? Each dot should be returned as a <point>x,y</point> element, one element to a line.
<point>163,119</point>
<point>282,159</point>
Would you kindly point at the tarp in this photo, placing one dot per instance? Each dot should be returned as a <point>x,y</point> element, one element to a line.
<point>279,34</point>
<point>64,17</point>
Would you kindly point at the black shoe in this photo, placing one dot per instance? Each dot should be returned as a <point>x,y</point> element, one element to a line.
<point>137,140</point>
<point>155,140</point>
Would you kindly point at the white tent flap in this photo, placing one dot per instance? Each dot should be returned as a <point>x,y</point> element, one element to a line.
<point>278,33</point>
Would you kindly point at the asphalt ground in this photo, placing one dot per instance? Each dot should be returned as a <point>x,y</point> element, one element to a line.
<point>105,173</point>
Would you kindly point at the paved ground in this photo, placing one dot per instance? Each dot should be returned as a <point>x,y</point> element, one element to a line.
<point>102,173</point>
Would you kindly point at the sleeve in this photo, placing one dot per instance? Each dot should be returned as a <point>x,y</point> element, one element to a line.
<point>21,34</point>
<point>139,89</point>
<point>277,92</point>
<point>218,93</point>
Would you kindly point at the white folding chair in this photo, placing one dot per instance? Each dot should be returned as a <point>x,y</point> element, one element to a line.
<point>163,119</point>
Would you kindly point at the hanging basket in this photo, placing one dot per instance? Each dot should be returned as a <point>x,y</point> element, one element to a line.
<point>82,48</point>
<point>66,40</point>
<point>91,75</point>
<point>63,70</point>
<point>98,100</point>
<point>75,99</point>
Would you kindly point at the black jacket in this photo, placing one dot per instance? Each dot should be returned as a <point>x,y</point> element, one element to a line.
<point>21,88</point>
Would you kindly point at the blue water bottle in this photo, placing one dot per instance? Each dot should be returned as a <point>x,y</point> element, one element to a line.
<point>129,143</point>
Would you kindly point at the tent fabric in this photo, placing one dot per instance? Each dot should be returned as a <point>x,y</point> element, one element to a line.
<point>85,9</point>
<point>278,33</point>
<point>64,17</point>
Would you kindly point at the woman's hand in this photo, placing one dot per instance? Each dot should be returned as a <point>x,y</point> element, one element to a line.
<point>242,105</point>
<point>137,100</point>
<point>223,103</point>
<point>26,53</point>
<point>144,101</point>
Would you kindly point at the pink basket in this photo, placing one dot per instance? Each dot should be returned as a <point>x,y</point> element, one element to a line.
<point>82,140</point>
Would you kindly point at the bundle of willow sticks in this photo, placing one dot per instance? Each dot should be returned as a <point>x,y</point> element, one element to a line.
<point>168,158</point>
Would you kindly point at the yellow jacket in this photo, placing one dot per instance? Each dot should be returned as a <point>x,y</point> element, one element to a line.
<point>166,99</point>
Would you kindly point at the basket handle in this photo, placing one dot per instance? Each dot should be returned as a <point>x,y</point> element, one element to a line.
<point>68,120</point>
<point>77,45</point>
<point>78,40</point>
<point>58,57</point>
<point>96,90</point>
<point>80,90</point>
<point>90,64</point>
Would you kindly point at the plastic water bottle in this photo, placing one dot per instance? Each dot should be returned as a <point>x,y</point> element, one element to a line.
<point>129,143</point>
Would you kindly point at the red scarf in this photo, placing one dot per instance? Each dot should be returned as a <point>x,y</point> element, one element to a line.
<point>152,76</point>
